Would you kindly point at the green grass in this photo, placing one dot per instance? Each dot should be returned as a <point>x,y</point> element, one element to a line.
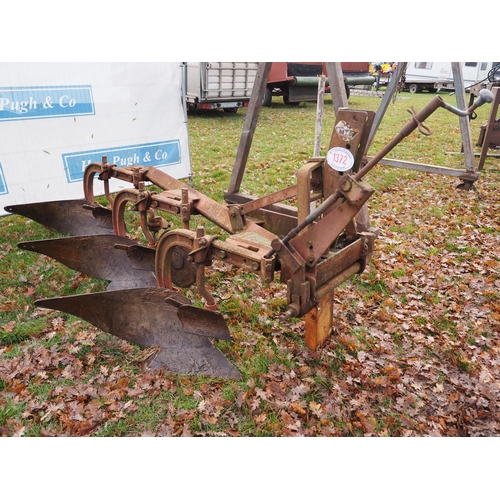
<point>10,410</point>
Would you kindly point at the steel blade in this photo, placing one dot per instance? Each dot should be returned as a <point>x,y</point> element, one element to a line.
<point>70,217</point>
<point>106,256</point>
<point>156,317</point>
<point>193,355</point>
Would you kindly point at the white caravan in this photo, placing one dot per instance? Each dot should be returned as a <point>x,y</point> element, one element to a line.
<point>434,76</point>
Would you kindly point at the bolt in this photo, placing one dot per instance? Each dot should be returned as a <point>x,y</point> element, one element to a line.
<point>292,311</point>
<point>346,186</point>
<point>255,266</point>
<point>276,245</point>
<point>234,210</point>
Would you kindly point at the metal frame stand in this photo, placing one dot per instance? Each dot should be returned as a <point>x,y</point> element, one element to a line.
<point>470,174</point>
<point>489,127</point>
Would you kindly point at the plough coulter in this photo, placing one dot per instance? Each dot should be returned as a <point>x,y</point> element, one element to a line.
<point>314,245</point>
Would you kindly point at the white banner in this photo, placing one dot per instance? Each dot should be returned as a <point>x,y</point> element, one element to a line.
<point>56,118</point>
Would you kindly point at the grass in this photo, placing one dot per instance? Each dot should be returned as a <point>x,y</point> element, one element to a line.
<point>286,389</point>
<point>10,410</point>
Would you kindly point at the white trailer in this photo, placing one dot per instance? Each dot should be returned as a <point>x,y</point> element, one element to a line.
<point>434,76</point>
<point>225,85</point>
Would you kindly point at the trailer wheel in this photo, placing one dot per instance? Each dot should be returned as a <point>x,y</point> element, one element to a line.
<point>414,88</point>
<point>268,98</point>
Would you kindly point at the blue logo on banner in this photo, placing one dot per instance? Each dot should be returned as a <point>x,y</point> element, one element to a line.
<point>29,103</point>
<point>3,184</point>
<point>155,154</point>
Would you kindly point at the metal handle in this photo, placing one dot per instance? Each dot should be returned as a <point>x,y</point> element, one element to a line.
<point>484,96</point>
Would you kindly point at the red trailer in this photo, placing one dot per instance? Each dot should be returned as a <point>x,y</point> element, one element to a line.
<point>298,81</point>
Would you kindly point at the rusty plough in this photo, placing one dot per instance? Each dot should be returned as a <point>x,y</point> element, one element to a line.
<point>321,247</point>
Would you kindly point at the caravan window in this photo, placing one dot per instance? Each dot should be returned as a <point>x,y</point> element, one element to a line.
<point>472,64</point>
<point>484,66</point>
<point>423,65</point>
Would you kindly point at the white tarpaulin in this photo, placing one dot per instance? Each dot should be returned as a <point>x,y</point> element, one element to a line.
<point>56,118</point>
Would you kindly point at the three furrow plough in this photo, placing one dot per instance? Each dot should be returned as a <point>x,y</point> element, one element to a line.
<point>314,247</point>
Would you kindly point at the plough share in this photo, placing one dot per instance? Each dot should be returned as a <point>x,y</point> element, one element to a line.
<point>321,248</point>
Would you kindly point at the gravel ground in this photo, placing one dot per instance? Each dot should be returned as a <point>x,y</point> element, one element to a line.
<point>372,93</point>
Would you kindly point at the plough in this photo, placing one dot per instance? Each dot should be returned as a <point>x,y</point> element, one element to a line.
<point>314,248</point>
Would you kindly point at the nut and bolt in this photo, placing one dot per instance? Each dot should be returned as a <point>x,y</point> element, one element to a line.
<point>276,245</point>
<point>346,186</point>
